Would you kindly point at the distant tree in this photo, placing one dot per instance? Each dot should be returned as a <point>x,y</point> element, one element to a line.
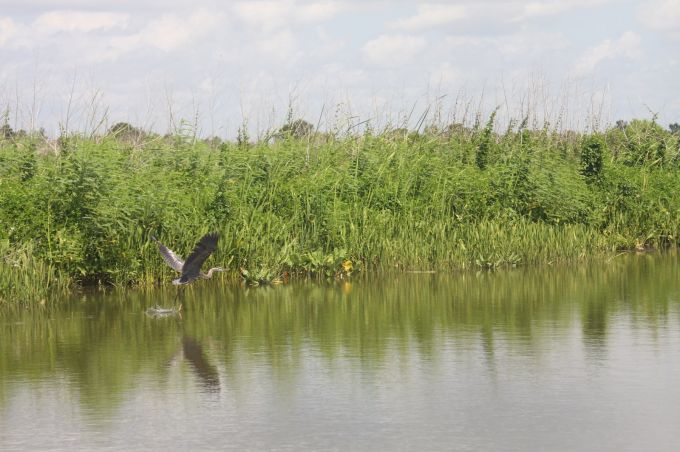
<point>298,128</point>
<point>674,128</point>
<point>126,132</point>
<point>6,131</point>
<point>457,129</point>
<point>243,137</point>
<point>621,124</point>
<point>21,133</point>
<point>399,133</point>
<point>214,142</point>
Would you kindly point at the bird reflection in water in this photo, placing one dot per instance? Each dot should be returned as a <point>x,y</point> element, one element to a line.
<point>192,350</point>
<point>206,372</point>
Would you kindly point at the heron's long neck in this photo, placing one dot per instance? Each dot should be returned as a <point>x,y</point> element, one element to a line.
<point>211,271</point>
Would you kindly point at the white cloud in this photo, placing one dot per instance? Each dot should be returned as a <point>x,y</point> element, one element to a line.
<point>393,50</point>
<point>628,46</point>
<point>41,31</point>
<point>524,43</point>
<point>280,45</point>
<point>534,9</point>
<point>273,14</point>
<point>548,8</point>
<point>167,33</point>
<point>331,50</point>
<point>338,74</point>
<point>131,6</point>
<point>531,43</point>
<point>84,21</point>
<point>8,29</point>
<point>172,31</point>
<point>446,74</point>
<point>431,15</point>
<point>663,15</point>
<point>207,85</point>
<point>317,11</point>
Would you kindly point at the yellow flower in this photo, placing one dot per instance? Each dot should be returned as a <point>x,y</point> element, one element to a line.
<point>347,288</point>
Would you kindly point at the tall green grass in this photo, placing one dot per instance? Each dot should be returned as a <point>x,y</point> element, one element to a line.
<point>446,199</point>
<point>25,279</point>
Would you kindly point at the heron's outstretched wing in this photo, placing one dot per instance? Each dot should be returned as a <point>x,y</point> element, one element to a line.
<point>169,256</point>
<point>192,266</point>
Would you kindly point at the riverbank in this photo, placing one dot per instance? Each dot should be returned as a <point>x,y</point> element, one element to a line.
<point>82,212</point>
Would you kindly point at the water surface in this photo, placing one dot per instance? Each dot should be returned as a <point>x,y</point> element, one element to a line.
<point>570,358</point>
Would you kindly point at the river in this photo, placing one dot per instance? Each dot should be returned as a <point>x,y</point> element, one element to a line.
<point>581,357</point>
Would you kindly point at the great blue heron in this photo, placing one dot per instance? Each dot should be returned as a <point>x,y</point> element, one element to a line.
<point>191,269</point>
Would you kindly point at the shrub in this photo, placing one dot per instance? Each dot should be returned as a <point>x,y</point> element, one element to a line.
<point>640,142</point>
<point>592,150</point>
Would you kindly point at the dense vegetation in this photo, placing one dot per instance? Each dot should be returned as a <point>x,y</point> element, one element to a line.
<point>81,210</point>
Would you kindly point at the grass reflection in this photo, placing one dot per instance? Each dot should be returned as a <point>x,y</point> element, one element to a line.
<point>104,345</point>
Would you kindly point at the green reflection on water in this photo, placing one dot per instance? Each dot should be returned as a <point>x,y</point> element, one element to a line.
<point>104,345</point>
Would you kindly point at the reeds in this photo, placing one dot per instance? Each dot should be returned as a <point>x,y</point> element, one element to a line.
<point>25,279</point>
<point>309,205</point>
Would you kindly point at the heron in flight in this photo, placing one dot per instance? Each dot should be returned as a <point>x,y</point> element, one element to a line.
<point>191,269</point>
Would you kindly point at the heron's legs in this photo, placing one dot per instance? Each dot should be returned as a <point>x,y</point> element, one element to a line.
<point>179,290</point>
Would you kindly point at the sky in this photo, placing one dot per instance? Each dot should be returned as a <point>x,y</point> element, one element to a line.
<point>210,67</point>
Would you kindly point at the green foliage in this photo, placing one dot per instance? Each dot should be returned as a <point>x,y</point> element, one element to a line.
<point>261,276</point>
<point>25,279</point>
<point>319,263</point>
<point>296,129</point>
<point>6,131</point>
<point>484,146</point>
<point>308,206</point>
<point>640,142</point>
<point>126,133</point>
<point>592,152</point>
<point>242,137</point>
